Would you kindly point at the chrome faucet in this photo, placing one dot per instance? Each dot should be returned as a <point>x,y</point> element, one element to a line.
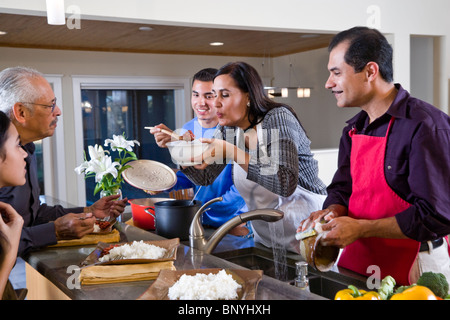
<point>197,233</point>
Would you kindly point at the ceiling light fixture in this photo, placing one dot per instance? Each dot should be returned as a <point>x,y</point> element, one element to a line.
<point>283,92</point>
<point>2,33</point>
<point>55,12</point>
<point>216,44</point>
<point>145,28</point>
<point>309,36</point>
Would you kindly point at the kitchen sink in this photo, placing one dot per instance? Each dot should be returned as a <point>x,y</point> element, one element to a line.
<point>325,287</point>
<point>324,284</point>
<point>258,259</point>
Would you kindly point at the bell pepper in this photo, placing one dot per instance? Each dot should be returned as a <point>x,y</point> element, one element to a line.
<point>415,292</point>
<point>352,293</point>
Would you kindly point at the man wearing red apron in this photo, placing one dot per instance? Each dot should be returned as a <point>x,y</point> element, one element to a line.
<point>388,204</point>
<point>372,198</point>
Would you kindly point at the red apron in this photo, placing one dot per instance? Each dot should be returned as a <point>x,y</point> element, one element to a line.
<point>372,198</point>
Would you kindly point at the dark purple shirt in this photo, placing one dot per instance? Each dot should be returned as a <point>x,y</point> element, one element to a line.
<point>417,164</point>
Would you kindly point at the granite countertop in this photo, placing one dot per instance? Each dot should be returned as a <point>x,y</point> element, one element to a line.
<point>57,265</point>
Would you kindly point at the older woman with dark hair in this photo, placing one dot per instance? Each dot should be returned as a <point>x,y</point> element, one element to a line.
<point>12,173</point>
<point>273,163</point>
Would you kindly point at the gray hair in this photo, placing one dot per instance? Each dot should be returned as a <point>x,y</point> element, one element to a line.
<point>16,86</point>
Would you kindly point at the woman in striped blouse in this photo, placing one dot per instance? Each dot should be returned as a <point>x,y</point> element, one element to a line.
<point>273,164</point>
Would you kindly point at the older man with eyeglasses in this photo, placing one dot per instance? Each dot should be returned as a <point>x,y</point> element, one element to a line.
<point>27,97</point>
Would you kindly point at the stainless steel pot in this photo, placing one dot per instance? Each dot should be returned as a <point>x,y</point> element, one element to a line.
<point>173,218</point>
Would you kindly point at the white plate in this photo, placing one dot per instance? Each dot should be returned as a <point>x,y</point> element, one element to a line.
<point>150,175</point>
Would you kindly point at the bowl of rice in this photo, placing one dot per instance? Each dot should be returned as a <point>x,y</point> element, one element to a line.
<point>133,252</point>
<point>183,152</point>
<point>204,284</point>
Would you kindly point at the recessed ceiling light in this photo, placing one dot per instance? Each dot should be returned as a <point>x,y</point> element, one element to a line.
<point>216,44</point>
<point>145,28</point>
<point>2,33</point>
<point>309,35</point>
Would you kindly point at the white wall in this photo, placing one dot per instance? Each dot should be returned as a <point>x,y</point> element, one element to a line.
<point>327,161</point>
<point>321,118</point>
<point>422,68</point>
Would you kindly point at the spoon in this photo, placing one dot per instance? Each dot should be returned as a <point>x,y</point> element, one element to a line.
<point>172,134</point>
<point>192,201</point>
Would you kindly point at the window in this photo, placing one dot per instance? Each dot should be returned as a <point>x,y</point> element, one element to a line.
<point>108,112</point>
<point>144,101</point>
<point>40,165</point>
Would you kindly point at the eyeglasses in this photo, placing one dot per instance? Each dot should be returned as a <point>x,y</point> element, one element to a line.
<point>53,105</point>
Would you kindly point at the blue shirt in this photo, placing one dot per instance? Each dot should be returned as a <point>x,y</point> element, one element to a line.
<point>232,204</point>
<point>417,164</point>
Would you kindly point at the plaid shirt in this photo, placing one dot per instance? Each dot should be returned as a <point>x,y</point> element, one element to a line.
<point>286,148</point>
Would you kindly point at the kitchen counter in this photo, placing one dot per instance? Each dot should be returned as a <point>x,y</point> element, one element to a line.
<point>54,264</point>
<point>52,272</point>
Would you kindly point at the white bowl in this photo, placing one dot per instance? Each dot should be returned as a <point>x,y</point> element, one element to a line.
<point>182,151</point>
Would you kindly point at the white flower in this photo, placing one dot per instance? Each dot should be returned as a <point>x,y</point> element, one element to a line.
<point>82,167</point>
<point>102,167</point>
<point>96,152</point>
<point>107,173</point>
<point>121,142</point>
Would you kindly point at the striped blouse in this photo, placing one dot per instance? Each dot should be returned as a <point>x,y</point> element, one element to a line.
<point>283,160</point>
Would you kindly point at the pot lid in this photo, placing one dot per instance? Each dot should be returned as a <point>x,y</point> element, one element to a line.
<point>150,175</point>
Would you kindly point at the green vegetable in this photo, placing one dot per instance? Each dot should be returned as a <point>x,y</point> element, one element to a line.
<point>436,282</point>
<point>386,289</point>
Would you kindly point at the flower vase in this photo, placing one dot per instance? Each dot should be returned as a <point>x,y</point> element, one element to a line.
<point>105,193</point>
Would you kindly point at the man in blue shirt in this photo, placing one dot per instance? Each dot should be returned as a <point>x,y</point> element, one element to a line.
<point>204,125</point>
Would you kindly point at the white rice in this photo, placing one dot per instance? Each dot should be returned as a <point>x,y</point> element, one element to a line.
<point>220,286</point>
<point>137,250</point>
<point>97,228</point>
